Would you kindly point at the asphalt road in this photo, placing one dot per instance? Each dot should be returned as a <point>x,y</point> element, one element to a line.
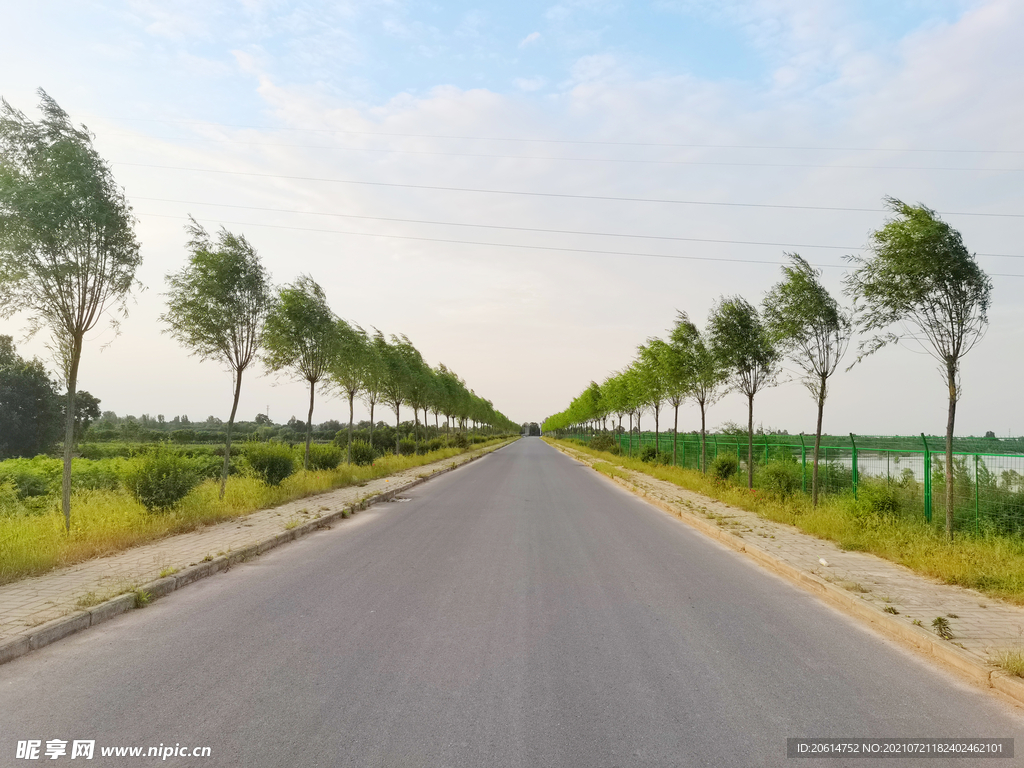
<point>520,611</point>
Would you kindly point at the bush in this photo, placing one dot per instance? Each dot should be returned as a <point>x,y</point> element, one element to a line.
<point>724,466</point>
<point>436,444</point>
<point>325,457</point>
<point>458,440</point>
<point>406,447</point>
<point>882,500</point>
<point>160,479</point>
<point>781,478</point>
<point>362,453</point>
<point>603,443</point>
<point>271,462</point>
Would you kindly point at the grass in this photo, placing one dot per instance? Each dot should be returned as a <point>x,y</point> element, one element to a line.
<point>105,521</point>
<point>1011,660</point>
<point>989,563</point>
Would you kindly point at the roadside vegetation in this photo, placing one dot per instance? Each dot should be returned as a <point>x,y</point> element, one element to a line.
<point>123,502</point>
<point>875,522</point>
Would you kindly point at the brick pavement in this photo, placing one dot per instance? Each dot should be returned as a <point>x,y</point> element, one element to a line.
<point>33,601</point>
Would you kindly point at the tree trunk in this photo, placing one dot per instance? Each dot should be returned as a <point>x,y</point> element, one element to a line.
<point>69,430</point>
<point>817,444</point>
<point>950,419</point>
<point>416,429</point>
<point>675,434</point>
<point>657,431</point>
<point>750,442</point>
<point>703,440</point>
<point>351,416</point>
<point>630,449</point>
<point>231,423</point>
<point>309,426</point>
<point>371,423</point>
<point>398,435</point>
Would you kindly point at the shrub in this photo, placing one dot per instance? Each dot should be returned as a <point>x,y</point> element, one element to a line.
<point>160,479</point>
<point>725,465</point>
<point>406,447</point>
<point>362,453</point>
<point>603,443</point>
<point>458,440</point>
<point>272,462</point>
<point>325,457</point>
<point>882,500</point>
<point>781,478</point>
<point>436,444</point>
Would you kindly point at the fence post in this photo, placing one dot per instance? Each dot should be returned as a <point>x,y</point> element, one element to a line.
<point>854,444</point>
<point>927,480</point>
<point>977,524</point>
<point>682,455</point>
<point>766,449</point>
<point>715,436</point>
<point>803,463</point>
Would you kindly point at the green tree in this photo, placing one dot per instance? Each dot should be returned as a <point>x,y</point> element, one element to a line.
<point>743,344</point>
<point>30,405</point>
<point>374,374</point>
<point>348,370</point>
<point>301,334</point>
<point>703,370</point>
<point>68,252</point>
<point>87,410</point>
<point>397,364</point>
<point>921,275</point>
<point>809,326</point>
<point>217,305</point>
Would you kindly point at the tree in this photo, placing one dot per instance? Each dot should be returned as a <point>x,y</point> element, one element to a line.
<point>217,305</point>
<point>87,410</point>
<point>301,333</point>
<point>30,405</point>
<point>394,389</point>
<point>922,275</point>
<point>374,374</point>
<point>68,252</point>
<point>419,387</point>
<point>808,325</point>
<point>672,378</point>
<point>704,371</point>
<point>348,370</point>
<point>745,348</point>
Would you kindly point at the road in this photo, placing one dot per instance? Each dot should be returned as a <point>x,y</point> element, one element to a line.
<point>520,611</point>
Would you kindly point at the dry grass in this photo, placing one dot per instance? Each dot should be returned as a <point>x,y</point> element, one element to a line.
<point>990,564</point>
<point>108,521</point>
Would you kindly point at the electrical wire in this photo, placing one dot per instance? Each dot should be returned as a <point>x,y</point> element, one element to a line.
<point>517,246</point>
<point>560,195</point>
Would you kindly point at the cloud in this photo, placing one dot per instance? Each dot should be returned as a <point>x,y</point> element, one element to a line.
<point>530,39</point>
<point>530,84</point>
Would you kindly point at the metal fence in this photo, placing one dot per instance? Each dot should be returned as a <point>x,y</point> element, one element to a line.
<point>899,475</point>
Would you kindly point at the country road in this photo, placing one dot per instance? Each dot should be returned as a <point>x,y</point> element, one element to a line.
<point>521,611</point>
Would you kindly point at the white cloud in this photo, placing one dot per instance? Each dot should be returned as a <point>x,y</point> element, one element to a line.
<point>530,39</point>
<point>530,84</point>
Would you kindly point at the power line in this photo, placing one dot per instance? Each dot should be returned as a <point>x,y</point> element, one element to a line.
<point>530,229</point>
<point>560,195</point>
<point>513,245</point>
<point>573,141</point>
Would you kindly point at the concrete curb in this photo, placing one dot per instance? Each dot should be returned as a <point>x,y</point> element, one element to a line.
<point>967,664</point>
<point>52,631</point>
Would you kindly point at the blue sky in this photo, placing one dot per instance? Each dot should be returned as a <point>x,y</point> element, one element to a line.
<point>257,115</point>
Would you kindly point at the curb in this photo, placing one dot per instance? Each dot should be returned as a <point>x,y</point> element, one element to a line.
<point>967,664</point>
<point>58,629</point>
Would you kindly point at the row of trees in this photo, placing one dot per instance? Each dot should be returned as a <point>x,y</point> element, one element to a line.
<point>919,283</point>
<point>68,257</point>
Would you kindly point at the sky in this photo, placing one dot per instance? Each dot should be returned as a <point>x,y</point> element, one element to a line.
<point>529,191</point>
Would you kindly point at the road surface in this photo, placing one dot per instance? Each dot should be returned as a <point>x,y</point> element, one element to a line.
<point>520,611</point>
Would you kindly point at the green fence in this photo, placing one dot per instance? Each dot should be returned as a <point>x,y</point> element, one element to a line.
<point>899,474</point>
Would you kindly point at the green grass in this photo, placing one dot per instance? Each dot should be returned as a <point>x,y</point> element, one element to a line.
<point>105,521</point>
<point>989,563</point>
<point>1011,660</point>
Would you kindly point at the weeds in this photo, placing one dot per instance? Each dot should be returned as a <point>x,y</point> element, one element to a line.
<point>892,610</point>
<point>941,626</point>
<point>1011,660</point>
<point>142,598</point>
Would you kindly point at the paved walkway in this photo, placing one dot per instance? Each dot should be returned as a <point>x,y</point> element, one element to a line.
<point>981,626</point>
<point>34,601</point>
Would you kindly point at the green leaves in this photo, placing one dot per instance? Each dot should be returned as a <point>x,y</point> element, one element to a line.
<point>301,332</point>
<point>743,345</point>
<point>218,301</point>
